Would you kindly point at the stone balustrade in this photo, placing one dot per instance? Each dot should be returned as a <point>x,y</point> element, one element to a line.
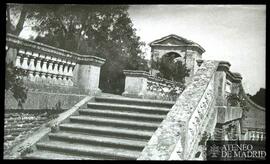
<point>255,135</point>
<point>141,84</point>
<point>48,65</point>
<point>178,135</point>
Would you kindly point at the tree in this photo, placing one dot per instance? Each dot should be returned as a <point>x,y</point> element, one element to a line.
<point>19,12</point>
<point>259,97</point>
<point>101,30</point>
<point>171,69</point>
<point>14,83</point>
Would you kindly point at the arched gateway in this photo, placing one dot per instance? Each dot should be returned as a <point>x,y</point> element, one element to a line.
<point>187,51</point>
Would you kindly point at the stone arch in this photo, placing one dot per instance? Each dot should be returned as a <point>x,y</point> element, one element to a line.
<point>174,55</point>
<point>189,51</point>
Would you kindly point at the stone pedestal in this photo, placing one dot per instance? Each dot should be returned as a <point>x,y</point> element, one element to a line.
<point>87,72</point>
<point>135,83</point>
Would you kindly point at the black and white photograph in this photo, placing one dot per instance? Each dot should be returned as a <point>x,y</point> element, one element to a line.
<point>139,82</point>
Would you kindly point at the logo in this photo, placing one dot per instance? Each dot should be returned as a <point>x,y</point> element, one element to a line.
<point>214,151</point>
<point>235,150</point>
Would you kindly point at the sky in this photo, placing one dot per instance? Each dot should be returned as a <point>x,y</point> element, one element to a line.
<point>234,33</point>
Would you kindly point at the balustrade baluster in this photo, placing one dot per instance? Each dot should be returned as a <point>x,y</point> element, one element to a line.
<point>44,66</point>
<point>43,77</point>
<point>44,71</point>
<point>54,79</point>
<point>50,67</point>
<point>18,61</point>
<point>66,70</point>
<point>70,82</point>
<point>70,71</point>
<point>65,82</point>
<point>60,80</point>
<point>55,68</point>
<point>38,69</point>
<point>32,69</point>
<point>49,78</point>
<point>60,72</point>
<point>49,70</point>
<point>25,62</point>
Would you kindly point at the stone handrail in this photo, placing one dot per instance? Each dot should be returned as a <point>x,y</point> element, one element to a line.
<point>46,64</point>
<point>150,86</point>
<point>179,133</point>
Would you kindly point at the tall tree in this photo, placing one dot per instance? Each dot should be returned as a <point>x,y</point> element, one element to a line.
<point>102,30</point>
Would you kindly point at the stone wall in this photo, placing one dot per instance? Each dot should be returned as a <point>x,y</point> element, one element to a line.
<point>43,100</point>
<point>19,124</point>
<point>185,123</point>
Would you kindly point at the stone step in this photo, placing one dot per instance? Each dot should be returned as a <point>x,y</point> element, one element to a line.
<point>98,140</point>
<point>113,122</point>
<point>133,101</point>
<point>130,108</point>
<point>123,115</point>
<point>86,150</point>
<point>51,155</point>
<point>109,131</point>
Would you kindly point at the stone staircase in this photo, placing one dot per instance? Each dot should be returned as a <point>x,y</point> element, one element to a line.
<point>109,129</point>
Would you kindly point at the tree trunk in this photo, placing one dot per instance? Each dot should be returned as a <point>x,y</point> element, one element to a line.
<point>21,21</point>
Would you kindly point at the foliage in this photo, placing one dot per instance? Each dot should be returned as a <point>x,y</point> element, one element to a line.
<point>259,97</point>
<point>171,69</point>
<point>15,84</point>
<point>169,92</point>
<point>26,151</point>
<point>233,99</point>
<point>101,30</point>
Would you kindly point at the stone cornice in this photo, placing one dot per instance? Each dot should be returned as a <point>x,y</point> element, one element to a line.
<point>232,76</point>
<point>180,46</point>
<point>223,66</point>
<point>50,50</point>
<point>189,43</point>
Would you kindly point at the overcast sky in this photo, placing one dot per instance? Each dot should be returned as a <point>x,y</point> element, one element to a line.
<point>235,33</point>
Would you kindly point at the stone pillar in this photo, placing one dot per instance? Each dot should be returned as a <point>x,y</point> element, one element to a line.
<point>135,83</point>
<point>86,73</point>
<point>220,83</point>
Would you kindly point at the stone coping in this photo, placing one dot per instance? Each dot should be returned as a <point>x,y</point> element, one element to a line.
<point>139,73</point>
<point>57,52</point>
<point>45,129</point>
